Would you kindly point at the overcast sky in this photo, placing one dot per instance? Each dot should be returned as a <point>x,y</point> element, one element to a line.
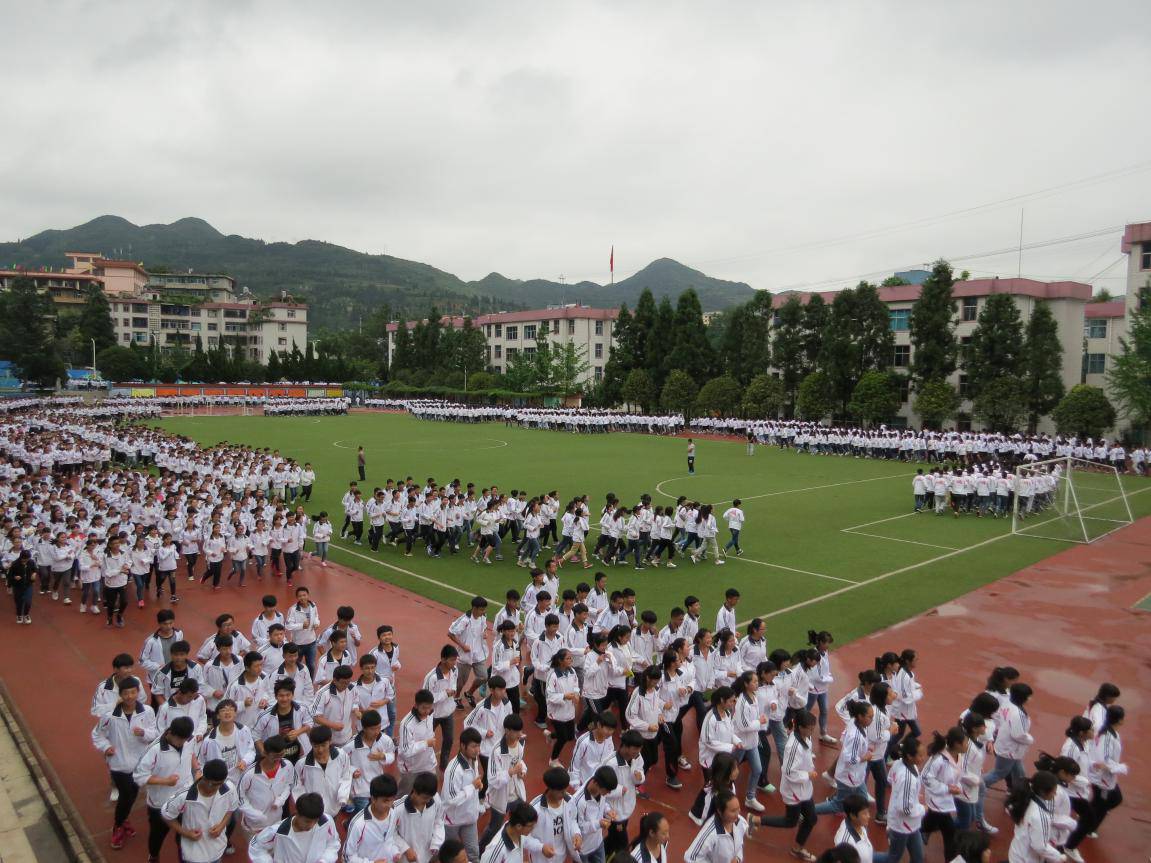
<point>765,142</point>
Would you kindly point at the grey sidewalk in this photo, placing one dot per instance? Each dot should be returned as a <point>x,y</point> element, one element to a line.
<point>26,832</point>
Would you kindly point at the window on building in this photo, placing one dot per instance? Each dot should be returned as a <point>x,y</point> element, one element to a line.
<point>141,338</point>
<point>970,309</point>
<point>1095,328</point>
<point>195,326</point>
<point>283,328</point>
<point>904,389</point>
<point>899,319</point>
<point>291,313</point>
<point>529,353</point>
<point>282,341</point>
<point>499,352</point>
<point>511,354</point>
<point>1094,364</point>
<point>556,327</point>
<point>902,358</point>
<point>964,341</point>
<point>127,337</point>
<point>499,330</point>
<point>140,308</point>
<point>213,327</point>
<point>599,373</point>
<point>529,332</point>
<point>126,322</point>
<point>140,323</point>
<point>512,334</point>
<point>599,351</point>
<point>499,370</point>
<point>964,387</point>
<point>1146,262</point>
<point>598,327</point>
<point>488,330</point>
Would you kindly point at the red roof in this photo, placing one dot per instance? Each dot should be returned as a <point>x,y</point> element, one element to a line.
<point>51,274</point>
<point>1139,233</point>
<point>970,288</point>
<point>456,322</point>
<point>1110,309</point>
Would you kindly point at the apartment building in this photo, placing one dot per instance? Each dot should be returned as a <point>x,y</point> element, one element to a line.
<point>1067,301</point>
<point>511,333</point>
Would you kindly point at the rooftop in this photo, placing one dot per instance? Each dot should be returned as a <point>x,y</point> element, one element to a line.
<point>1109,309</point>
<point>969,288</point>
<point>557,314</point>
<point>1136,233</point>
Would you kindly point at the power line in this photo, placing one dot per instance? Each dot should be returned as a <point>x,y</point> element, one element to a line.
<point>1038,244</point>
<point>1114,174</point>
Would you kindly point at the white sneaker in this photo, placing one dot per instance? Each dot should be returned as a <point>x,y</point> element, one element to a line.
<point>828,739</point>
<point>1073,854</point>
<point>55,595</point>
<point>987,828</point>
<point>753,804</point>
<point>720,562</point>
<point>828,778</point>
<point>67,600</point>
<point>114,796</point>
<point>83,609</point>
<point>671,565</point>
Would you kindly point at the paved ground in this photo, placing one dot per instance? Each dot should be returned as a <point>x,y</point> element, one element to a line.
<point>1068,622</point>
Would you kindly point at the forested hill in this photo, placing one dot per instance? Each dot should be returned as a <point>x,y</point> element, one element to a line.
<point>343,284</point>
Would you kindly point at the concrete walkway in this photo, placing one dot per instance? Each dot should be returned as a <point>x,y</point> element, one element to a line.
<point>27,833</point>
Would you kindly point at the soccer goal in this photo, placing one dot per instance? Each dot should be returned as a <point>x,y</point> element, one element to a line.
<point>1069,499</point>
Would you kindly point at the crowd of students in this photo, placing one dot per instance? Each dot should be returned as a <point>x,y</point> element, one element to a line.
<point>292,729</point>
<point>296,734</point>
<point>581,420</point>
<point>311,407</point>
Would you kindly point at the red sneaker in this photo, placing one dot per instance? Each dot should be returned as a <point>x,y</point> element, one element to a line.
<point>117,838</point>
<point>129,830</point>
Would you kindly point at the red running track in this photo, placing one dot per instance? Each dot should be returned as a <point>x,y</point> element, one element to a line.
<point>1067,623</point>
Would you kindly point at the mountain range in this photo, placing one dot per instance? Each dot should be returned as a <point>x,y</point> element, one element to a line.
<point>344,285</point>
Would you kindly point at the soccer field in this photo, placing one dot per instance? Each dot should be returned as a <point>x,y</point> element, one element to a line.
<point>829,543</point>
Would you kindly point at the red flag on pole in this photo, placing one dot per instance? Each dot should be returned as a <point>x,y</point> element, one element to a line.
<point>611,263</point>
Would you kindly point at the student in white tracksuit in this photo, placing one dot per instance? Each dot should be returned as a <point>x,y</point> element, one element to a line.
<point>309,836</point>
<point>1031,807</point>
<point>420,818</point>
<point>265,787</point>
<point>721,838</point>
<point>1012,739</point>
<point>797,771</point>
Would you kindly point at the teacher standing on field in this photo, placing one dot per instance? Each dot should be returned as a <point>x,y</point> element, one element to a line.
<point>361,464</point>
<point>690,456</point>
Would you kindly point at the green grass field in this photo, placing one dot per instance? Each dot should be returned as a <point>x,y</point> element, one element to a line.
<point>802,567</point>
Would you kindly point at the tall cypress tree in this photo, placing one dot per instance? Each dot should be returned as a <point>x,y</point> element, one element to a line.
<point>621,361</point>
<point>932,328</point>
<point>95,320</point>
<point>1129,378</point>
<point>996,348</point>
<point>659,343</point>
<point>788,350</point>
<point>816,316</point>
<point>731,346</point>
<point>642,323</point>
<point>691,351</point>
<point>402,355</point>
<point>1042,364</point>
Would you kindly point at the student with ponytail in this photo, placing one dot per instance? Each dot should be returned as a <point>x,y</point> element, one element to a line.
<point>984,705</point>
<point>820,678</point>
<point>852,833</point>
<point>908,693</point>
<point>905,812</point>
<point>795,785</point>
<point>1065,770</point>
<point>851,768</point>
<point>1096,710</point>
<point>941,782</point>
<point>1013,738</point>
<point>1076,748</point>
<point>749,721</point>
<point>968,809</point>
<point>971,846</point>
<point>1030,807</point>
<point>1107,766</point>
<point>999,683</point>
<point>878,735</point>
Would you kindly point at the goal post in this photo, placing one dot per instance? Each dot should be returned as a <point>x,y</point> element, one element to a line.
<point>1069,499</point>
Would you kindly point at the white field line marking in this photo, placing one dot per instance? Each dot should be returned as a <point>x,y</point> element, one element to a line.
<point>878,521</point>
<point>886,575</point>
<point>729,559</point>
<point>894,539</point>
<point>499,444</point>
<point>659,487</point>
<point>408,572</point>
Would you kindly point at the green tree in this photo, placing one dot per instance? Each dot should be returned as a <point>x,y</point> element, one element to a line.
<point>996,347</point>
<point>120,364</point>
<point>274,373</point>
<point>522,375</point>
<point>893,282</point>
<point>679,393</point>
<point>814,401</point>
<point>482,381</point>
<point>816,316</point>
<point>788,349</point>
<point>621,361</point>
<point>1002,404</point>
<point>936,401</point>
<point>932,328</point>
<point>1129,378</point>
<point>1042,364</point>
<point>1085,412</point>
<point>658,341</point>
<point>858,340</point>
<point>875,398</point>
<point>642,324</point>
<point>639,389</point>
<point>469,348</point>
<point>27,333</point>
<point>1102,296</point>
<point>569,367</point>
<point>95,319</point>
<point>691,351</point>
<point>720,396</point>
<point>403,353</point>
<point>764,397</point>
<point>735,330</point>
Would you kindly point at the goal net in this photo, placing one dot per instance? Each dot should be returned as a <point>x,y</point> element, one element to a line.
<point>1069,499</point>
